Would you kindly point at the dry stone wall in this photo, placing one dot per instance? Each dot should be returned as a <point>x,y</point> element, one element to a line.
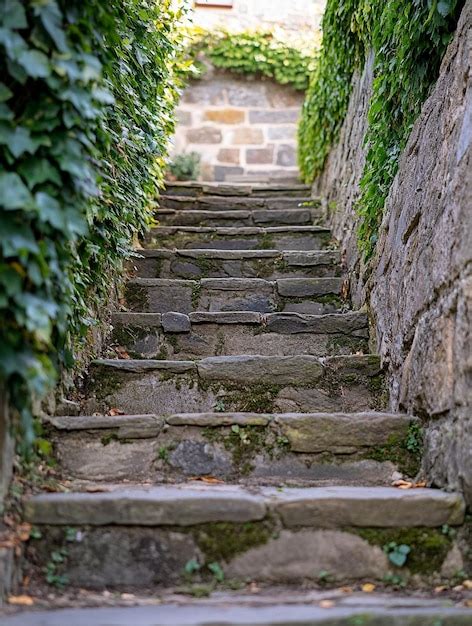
<point>243,128</point>
<point>419,285</point>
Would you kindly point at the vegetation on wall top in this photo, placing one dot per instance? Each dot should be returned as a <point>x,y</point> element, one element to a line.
<point>408,39</point>
<point>258,53</point>
<point>87,94</point>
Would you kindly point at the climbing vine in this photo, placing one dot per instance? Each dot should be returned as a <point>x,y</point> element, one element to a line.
<point>257,53</point>
<point>87,94</point>
<point>408,39</point>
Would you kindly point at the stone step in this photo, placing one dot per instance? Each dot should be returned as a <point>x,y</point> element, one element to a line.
<point>289,449</point>
<point>261,384</point>
<point>237,217</point>
<point>199,334</point>
<point>222,203</point>
<point>146,536</point>
<point>237,189</point>
<point>233,238</point>
<point>314,296</point>
<point>243,608</point>
<point>269,264</point>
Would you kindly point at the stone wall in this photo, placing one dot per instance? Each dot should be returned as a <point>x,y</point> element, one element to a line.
<point>243,128</point>
<point>419,285</point>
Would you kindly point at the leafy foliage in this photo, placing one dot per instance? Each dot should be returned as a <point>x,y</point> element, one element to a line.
<point>86,102</point>
<point>408,39</point>
<point>185,166</point>
<point>256,53</point>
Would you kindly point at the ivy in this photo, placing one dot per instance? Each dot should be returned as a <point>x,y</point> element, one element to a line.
<point>87,93</point>
<point>256,53</point>
<point>408,39</point>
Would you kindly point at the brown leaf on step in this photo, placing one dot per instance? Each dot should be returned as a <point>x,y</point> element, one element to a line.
<point>23,531</point>
<point>254,588</point>
<point>121,352</point>
<point>467,584</point>
<point>326,604</point>
<point>368,587</point>
<point>21,600</point>
<point>440,589</point>
<point>468,604</point>
<point>210,480</point>
<point>406,484</point>
<point>96,489</point>
<point>114,412</point>
<point>347,589</point>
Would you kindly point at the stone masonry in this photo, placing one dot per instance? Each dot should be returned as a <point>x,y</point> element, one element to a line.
<point>243,128</point>
<point>419,283</point>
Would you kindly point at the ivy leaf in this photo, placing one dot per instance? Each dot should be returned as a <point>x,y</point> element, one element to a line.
<point>36,63</point>
<point>36,171</point>
<point>13,192</point>
<point>51,19</point>
<point>14,15</point>
<point>5,93</point>
<point>18,140</point>
<point>50,210</point>
<point>444,8</point>
<point>5,112</point>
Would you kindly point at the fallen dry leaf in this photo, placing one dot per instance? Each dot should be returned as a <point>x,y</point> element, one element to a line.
<point>96,489</point>
<point>210,480</point>
<point>21,600</point>
<point>440,589</point>
<point>114,412</point>
<point>407,484</point>
<point>368,587</point>
<point>467,584</point>
<point>128,596</point>
<point>347,589</point>
<point>23,531</point>
<point>468,604</point>
<point>326,604</point>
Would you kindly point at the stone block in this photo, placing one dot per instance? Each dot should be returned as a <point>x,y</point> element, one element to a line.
<point>206,134</point>
<point>243,136</point>
<point>184,118</point>
<point>222,172</point>
<point>173,322</point>
<point>280,133</point>
<point>287,155</point>
<point>225,116</point>
<point>274,116</point>
<point>260,156</point>
<point>229,155</point>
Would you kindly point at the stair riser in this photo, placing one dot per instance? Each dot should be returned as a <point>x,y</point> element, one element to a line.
<point>220,203</point>
<point>254,454</point>
<point>230,191</point>
<point>134,557</point>
<point>271,268</point>
<point>211,241</point>
<point>158,391</point>
<point>294,217</point>
<point>221,339</point>
<point>263,298</point>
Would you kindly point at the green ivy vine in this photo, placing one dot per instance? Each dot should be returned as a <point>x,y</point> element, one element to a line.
<point>408,38</point>
<point>257,53</point>
<point>87,92</point>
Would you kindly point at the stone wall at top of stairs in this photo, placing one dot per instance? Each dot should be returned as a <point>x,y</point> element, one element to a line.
<point>419,283</point>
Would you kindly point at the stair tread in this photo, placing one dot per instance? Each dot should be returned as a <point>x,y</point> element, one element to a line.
<point>196,503</point>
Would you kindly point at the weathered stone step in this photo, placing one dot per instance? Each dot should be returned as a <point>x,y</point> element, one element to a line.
<point>200,334</point>
<point>145,536</point>
<point>302,295</point>
<point>233,238</point>
<point>236,189</point>
<point>270,264</point>
<point>222,203</point>
<point>259,384</point>
<point>236,217</point>
<point>317,608</point>
<point>290,449</point>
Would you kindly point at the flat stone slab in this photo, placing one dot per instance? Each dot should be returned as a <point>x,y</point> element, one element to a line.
<point>379,507</point>
<point>146,365</point>
<point>147,506</point>
<point>247,611</point>
<point>218,419</point>
<point>225,317</point>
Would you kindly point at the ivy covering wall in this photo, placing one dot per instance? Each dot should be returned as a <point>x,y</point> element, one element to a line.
<point>256,53</point>
<point>87,92</point>
<point>408,38</point>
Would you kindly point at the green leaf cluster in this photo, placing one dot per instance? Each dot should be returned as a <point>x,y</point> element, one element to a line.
<point>408,39</point>
<point>256,53</point>
<point>87,93</point>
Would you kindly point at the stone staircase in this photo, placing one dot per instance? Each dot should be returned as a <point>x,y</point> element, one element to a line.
<point>236,430</point>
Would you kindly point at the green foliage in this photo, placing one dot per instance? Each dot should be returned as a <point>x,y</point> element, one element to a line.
<point>185,166</point>
<point>257,53</point>
<point>408,39</point>
<point>86,102</point>
<point>397,553</point>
